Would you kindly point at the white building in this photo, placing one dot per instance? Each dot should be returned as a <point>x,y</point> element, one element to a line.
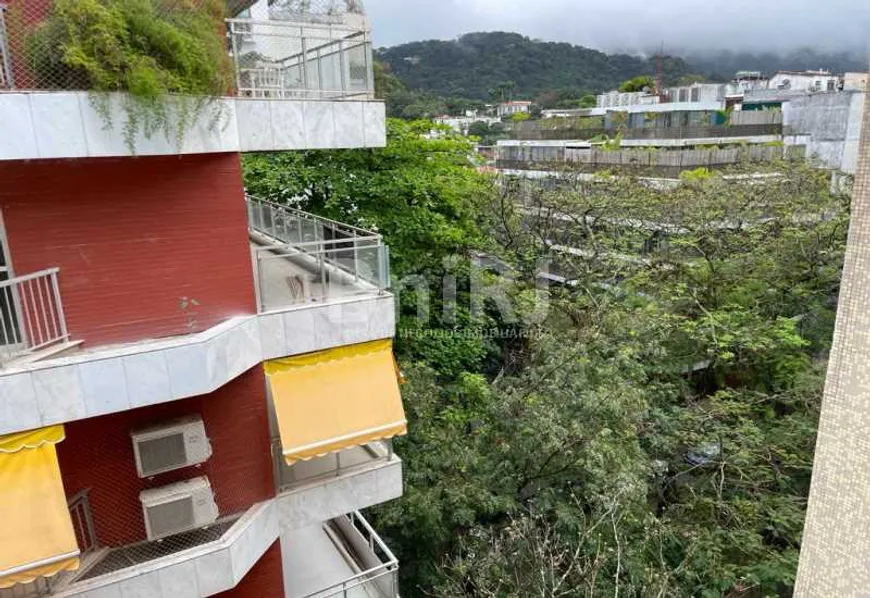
<point>511,108</point>
<point>855,82</point>
<point>813,81</point>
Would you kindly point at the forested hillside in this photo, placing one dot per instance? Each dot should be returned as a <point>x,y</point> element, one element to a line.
<point>645,429</point>
<point>478,65</point>
<point>494,66</point>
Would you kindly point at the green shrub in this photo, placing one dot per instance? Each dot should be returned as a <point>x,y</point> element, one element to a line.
<point>147,48</point>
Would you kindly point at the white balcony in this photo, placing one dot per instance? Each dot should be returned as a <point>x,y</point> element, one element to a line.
<point>305,83</point>
<point>303,259</point>
<point>342,558</point>
<point>323,289</point>
<point>191,565</point>
<point>32,321</point>
<point>312,492</point>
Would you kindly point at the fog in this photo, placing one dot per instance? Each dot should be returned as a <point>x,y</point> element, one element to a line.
<point>635,25</point>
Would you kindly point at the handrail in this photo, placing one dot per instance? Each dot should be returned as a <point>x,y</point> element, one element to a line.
<point>303,258</point>
<point>31,314</point>
<point>300,25</point>
<point>371,575</point>
<point>27,277</point>
<point>310,216</point>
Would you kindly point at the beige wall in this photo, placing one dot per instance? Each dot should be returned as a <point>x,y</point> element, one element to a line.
<point>835,555</point>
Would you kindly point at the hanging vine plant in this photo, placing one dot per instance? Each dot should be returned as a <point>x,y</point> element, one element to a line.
<point>168,56</point>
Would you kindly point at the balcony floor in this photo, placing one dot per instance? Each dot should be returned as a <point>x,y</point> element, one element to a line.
<point>313,561</point>
<point>116,559</point>
<point>285,282</point>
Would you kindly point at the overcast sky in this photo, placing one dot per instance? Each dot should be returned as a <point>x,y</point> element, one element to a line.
<point>634,25</point>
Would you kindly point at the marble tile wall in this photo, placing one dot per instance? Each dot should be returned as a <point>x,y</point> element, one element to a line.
<point>100,382</point>
<point>202,571</point>
<point>68,125</point>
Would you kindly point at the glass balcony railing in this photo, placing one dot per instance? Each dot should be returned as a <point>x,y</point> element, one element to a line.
<point>300,258</point>
<point>277,49</point>
<point>287,60</point>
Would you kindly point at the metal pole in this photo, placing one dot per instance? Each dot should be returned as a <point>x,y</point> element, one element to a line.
<point>304,62</point>
<point>231,32</point>
<point>355,261</point>
<point>342,64</point>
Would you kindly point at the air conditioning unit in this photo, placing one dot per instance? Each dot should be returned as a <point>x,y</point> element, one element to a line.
<point>172,445</point>
<point>178,508</point>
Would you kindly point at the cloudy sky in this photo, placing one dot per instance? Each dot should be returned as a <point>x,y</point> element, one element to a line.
<point>634,25</point>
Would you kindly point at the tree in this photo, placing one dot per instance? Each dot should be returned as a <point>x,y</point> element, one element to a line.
<point>422,195</point>
<point>588,101</point>
<point>640,83</point>
<point>651,433</point>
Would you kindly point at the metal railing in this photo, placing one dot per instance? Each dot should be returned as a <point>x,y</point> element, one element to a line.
<point>283,60</point>
<point>379,577</point>
<point>324,50</point>
<point>83,522</point>
<point>289,477</point>
<point>6,77</point>
<point>303,258</point>
<point>31,314</point>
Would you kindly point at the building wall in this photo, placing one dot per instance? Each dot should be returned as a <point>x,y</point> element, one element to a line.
<point>131,238</point>
<point>836,541</point>
<point>98,455</point>
<point>833,120</point>
<point>265,580</point>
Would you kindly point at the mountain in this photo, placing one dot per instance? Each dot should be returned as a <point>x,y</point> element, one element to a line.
<point>487,66</point>
<point>477,65</point>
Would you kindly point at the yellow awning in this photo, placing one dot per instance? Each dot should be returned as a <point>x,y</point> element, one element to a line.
<point>336,399</point>
<point>36,533</point>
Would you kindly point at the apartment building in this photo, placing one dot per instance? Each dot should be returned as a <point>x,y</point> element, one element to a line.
<point>197,387</point>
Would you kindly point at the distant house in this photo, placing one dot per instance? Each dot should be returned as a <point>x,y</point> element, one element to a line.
<point>511,108</point>
<point>855,82</point>
<point>814,81</point>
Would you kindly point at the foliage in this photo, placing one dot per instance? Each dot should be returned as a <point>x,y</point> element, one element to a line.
<point>640,83</point>
<point>496,66</point>
<point>419,193</point>
<point>657,439</point>
<point>520,116</point>
<point>147,48</point>
<point>653,434</point>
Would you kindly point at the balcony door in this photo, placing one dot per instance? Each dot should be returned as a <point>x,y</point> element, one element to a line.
<point>10,331</point>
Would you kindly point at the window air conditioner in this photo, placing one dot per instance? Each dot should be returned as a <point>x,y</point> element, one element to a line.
<point>178,508</point>
<point>170,445</point>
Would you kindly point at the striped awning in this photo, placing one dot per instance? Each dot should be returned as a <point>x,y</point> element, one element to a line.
<point>36,533</point>
<point>333,400</point>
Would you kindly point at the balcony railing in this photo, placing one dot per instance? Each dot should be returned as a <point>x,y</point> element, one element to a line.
<point>348,461</point>
<point>284,60</point>
<point>301,258</point>
<point>31,314</point>
<point>316,52</point>
<point>378,567</point>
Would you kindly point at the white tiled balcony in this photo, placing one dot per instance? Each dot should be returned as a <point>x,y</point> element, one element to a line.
<point>342,558</point>
<point>214,560</point>
<point>299,84</point>
<point>323,289</point>
<point>312,492</point>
